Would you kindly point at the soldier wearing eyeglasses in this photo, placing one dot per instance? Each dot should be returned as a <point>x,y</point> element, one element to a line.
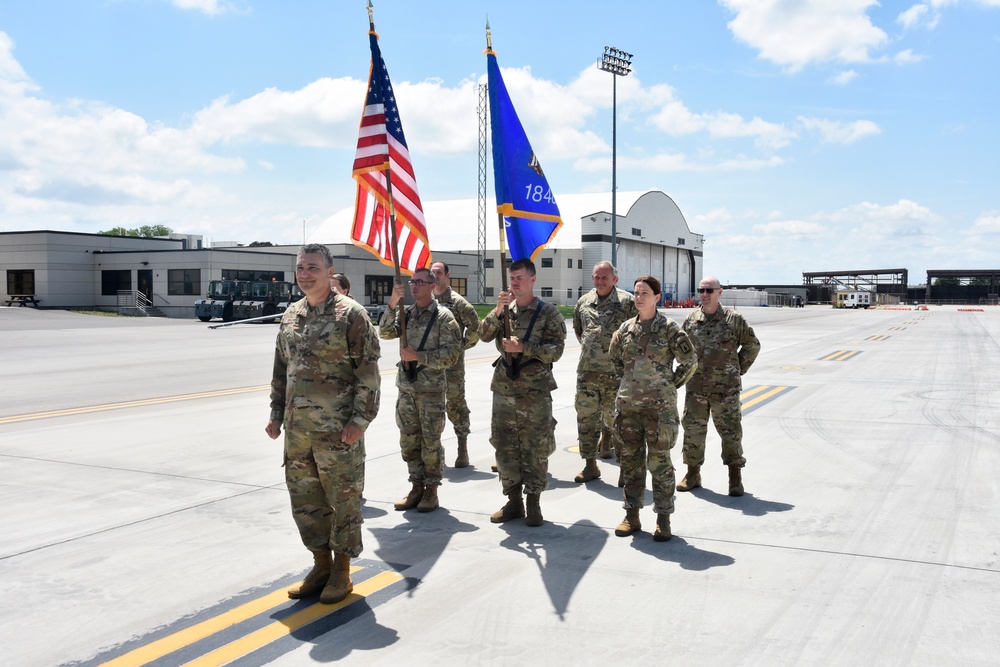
<point>434,343</point>
<point>727,347</point>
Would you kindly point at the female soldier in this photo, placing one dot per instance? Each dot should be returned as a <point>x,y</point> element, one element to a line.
<point>643,351</point>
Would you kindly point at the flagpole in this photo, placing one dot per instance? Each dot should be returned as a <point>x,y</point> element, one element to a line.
<point>512,372</point>
<point>408,367</point>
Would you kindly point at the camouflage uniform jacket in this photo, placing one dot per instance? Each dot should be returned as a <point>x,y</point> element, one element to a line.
<point>594,321</point>
<point>726,345</point>
<point>643,353</point>
<point>541,350</point>
<point>442,349</point>
<point>465,315</point>
<point>325,367</point>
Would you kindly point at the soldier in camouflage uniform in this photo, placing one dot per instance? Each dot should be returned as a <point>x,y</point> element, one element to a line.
<point>468,324</point>
<point>433,345</point>
<point>643,351</point>
<point>324,392</point>
<point>597,315</point>
<point>522,429</point>
<point>727,346</point>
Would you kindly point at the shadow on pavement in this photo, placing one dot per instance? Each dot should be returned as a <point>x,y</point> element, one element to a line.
<point>413,547</point>
<point>679,551</point>
<point>562,553</point>
<point>748,503</point>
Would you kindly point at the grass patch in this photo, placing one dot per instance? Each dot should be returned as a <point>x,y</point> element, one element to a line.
<point>99,313</point>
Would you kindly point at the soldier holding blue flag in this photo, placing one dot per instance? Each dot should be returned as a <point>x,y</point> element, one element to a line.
<point>522,429</point>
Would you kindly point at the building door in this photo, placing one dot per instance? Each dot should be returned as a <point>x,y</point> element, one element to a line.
<point>379,289</point>
<point>145,282</point>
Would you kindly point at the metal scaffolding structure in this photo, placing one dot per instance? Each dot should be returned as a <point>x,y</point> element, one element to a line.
<point>483,111</point>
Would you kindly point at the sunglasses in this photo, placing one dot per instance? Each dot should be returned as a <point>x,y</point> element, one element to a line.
<point>706,290</point>
<point>420,282</point>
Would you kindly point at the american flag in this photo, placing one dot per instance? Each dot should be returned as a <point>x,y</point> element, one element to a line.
<point>381,146</point>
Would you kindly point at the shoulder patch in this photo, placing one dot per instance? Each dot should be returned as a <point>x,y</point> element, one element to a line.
<point>685,345</point>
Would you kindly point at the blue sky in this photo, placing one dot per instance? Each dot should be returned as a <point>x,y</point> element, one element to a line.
<point>796,136</point>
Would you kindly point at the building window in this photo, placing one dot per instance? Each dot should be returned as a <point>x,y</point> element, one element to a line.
<point>569,292</point>
<point>579,263</point>
<point>680,241</point>
<point>20,281</point>
<point>183,281</point>
<point>488,263</point>
<point>569,263</point>
<point>114,281</point>
<point>546,262</point>
<point>488,291</point>
<point>636,231</point>
<point>459,285</point>
<point>547,291</point>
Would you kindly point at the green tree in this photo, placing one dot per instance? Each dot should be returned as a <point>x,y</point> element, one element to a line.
<point>146,231</point>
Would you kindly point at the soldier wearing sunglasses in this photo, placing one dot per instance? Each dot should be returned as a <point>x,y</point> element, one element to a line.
<point>727,347</point>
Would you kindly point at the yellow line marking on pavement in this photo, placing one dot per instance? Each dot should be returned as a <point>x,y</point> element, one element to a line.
<point>841,355</point>
<point>750,392</point>
<point>763,397</point>
<point>186,637</point>
<point>286,626</point>
<point>69,412</point>
<point>128,404</point>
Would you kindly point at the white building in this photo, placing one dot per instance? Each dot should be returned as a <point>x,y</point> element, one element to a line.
<point>75,270</point>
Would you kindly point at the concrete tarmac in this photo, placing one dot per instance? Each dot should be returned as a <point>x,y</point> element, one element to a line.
<point>145,519</point>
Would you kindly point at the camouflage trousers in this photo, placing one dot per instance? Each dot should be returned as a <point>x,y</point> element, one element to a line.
<point>726,415</point>
<point>420,418</point>
<point>595,407</point>
<point>523,433</point>
<point>458,408</point>
<point>325,479</point>
<point>644,439</point>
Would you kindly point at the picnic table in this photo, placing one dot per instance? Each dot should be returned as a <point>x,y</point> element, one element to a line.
<point>23,300</point>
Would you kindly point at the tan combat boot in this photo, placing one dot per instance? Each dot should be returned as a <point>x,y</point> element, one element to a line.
<point>429,501</point>
<point>514,508</point>
<point>662,533</point>
<point>340,584</point>
<point>317,577</point>
<point>735,481</point>
<point>534,510</point>
<point>412,499</point>
<point>692,480</point>
<point>630,524</point>
<point>462,460</point>
<point>590,471</point>
<point>604,450</point>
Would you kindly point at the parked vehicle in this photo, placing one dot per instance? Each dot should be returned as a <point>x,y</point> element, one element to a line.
<point>852,300</point>
<point>263,298</point>
<point>219,300</point>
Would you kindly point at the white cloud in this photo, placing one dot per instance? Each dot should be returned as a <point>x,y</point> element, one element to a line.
<point>907,57</point>
<point>791,228</point>
<point>207,7</point>
<point>843,78</point>
<point>796,34</point>
<point>912,16</point>
<point>676,119</point>
<point>837,132</point>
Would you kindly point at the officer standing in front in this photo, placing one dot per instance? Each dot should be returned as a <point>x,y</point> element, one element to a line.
<point>324,392</point>
<point>433,345</point>
<point>727,347</point>
<point>522,429</point>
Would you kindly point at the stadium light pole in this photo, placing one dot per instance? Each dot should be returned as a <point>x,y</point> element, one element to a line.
<point>619,63</point>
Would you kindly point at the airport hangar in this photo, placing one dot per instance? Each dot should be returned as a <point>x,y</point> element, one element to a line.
<point>76,270</point>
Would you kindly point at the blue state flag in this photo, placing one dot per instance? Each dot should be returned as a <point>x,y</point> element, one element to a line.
<point>524,198</point>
